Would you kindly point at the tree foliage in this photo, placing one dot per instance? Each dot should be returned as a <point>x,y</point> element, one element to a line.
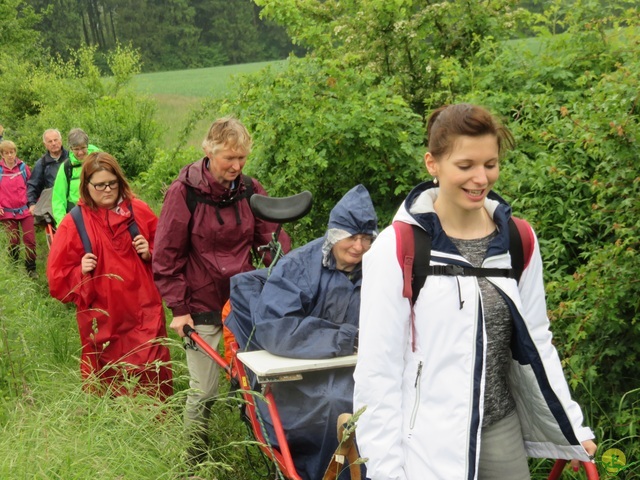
<point>326,129</point>
<point>408,40</point>
<point>17,27</point>
<point>170,34</point>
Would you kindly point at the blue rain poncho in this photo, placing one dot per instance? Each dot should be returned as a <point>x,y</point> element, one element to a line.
<point>309,309</point>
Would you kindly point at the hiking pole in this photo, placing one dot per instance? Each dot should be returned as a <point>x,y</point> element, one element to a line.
<point>589,467</point>
<point>206,348</point>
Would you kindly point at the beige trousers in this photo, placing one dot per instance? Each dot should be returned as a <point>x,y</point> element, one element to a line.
<point>204,373</point>
<point>502,454</point>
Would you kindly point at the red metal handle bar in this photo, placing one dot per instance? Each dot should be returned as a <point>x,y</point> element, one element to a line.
<point>283,458</point>
<point>198,340</point>
<point>589,467</point>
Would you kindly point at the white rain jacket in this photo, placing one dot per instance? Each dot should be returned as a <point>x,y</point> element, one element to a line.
<point>424,408</point>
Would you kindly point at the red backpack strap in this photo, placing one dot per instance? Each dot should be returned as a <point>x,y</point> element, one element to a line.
<point>527,239</point>
<point>405,252</point>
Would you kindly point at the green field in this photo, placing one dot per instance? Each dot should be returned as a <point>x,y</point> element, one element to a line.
<point>179,91</point>
<point>198,82</point>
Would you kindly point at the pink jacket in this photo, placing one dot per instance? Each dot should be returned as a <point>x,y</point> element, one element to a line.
<point>13,191</point>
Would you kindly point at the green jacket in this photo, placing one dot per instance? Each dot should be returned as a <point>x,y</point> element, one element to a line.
<point>66,193</point>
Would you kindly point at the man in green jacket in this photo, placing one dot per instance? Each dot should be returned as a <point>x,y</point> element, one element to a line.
<point>66,189</point>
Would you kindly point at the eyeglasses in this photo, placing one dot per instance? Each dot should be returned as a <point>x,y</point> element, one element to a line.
<point>101,187</point>
<point>79,148</point>
<point>365,240</point>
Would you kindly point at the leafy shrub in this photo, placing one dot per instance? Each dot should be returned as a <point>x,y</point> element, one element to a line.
<point>164,170</point>
<point>72,94</point>
<point>323,129</point>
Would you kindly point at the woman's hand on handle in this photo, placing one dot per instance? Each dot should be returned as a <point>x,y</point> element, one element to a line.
<point>179,322</point>
<point>590,447</point>
<point>88,263</point>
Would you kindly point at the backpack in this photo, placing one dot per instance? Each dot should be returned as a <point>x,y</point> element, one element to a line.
<point>413,242</point>
<point>68,172</point>
<point>23,171</point>
<point>76,214</point>
<point>193,198</point>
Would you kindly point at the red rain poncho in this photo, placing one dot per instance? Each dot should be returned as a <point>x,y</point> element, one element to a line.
<point>119,310</point>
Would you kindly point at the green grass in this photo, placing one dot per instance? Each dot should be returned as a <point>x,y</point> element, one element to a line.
<point>178,92</point>
<point>199,82</point>
<point>50,428</point>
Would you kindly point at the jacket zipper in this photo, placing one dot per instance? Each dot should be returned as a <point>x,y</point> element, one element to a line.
<point>414,412</point>
<point>478,297</point>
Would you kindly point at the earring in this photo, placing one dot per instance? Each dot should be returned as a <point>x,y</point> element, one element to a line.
<point>435,180</point>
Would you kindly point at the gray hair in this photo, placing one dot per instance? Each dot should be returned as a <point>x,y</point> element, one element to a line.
<point>51,130</point>
<point>78,137</point>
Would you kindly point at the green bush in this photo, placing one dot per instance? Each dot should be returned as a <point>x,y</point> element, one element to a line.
<point>72,94</point>
<point>164,170</point>
<point>324,129</point>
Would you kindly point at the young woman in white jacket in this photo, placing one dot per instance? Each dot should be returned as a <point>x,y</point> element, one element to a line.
<point>475,385</point>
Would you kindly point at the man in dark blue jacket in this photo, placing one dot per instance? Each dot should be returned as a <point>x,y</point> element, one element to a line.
<point>309,308</point>
<point>46,168</point>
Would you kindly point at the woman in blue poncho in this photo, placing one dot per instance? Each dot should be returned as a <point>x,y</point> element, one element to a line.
<point>309,309</point>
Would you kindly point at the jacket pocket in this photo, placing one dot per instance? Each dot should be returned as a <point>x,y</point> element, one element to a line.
<point>416,402</point>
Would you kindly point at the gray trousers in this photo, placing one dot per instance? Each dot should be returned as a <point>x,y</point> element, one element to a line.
<point>502,455</point>
<point>204,372</point>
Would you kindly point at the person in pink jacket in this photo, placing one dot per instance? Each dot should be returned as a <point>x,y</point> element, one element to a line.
<point>14,213</point>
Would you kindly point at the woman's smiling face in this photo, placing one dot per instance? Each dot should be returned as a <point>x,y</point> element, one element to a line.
<point>467,174</point>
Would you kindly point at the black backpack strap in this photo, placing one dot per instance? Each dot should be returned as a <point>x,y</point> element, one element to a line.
<point>422,249</point>
<point>76,214</point>
<point>191,199</point>
<point>68,172</point>
<point>134,231</point>
<point>460,271</point>
<point>194,197</point>
<point>248,185</point>
<point>515,250</point>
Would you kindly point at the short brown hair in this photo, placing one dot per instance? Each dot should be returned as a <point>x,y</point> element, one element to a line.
<point>449,122</point>
<point>227,132</point>
<point>97,162</point>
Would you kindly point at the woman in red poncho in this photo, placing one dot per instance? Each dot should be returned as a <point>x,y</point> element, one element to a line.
<point>119,310</point>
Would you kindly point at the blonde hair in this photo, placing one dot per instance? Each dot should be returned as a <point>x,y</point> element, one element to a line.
<point>227,132</point>
<point>6,145</point>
